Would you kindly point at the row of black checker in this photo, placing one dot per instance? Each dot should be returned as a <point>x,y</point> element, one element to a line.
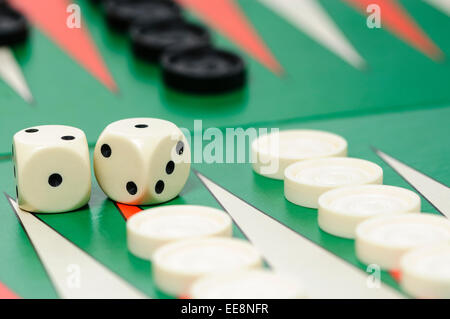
<point>159,34</point>
<point>14,27</point>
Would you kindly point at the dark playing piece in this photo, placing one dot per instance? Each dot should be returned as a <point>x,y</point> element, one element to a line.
<point>120,14</point>
<point>151,40</point>
<point>13,26</point>
<point>203,70</point>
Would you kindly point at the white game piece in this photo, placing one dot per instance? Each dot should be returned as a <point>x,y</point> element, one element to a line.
<point>305,181</point>
<point>177,265</point>
<point>142,161</point>
<point>150,229</point>
<point>272,153</point>
<point>425,272</point>
<point>342,209</point>
<point>247,284</point>
<point>52,169</point>
<point>383,240</point>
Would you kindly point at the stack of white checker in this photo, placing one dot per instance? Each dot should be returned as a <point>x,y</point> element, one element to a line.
<point>193,255</point>
<point>352,203</point>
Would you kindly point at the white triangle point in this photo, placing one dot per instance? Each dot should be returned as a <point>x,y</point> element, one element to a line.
<point>74,273</point>
<point>443,5</point>
<point>309,17</point>
<point>436,193</point>
<point>11,74</point>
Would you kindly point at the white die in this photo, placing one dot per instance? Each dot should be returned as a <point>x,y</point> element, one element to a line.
<point>142,161</point>
<point>52,169</point>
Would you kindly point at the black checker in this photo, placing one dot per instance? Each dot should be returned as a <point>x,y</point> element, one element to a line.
<point>149,41</point>
<point>121,14</point>
<point>14,27</point>
<point>203,70</point>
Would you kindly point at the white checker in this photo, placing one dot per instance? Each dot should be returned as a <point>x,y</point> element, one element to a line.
<point>152,228</point>
<point>272,153</point>
<point>425,272</point>
<point>247,284</point>
<point>177,265</point>
<point>306,181</point>
<point>342,209</point>
<point>384,240</point>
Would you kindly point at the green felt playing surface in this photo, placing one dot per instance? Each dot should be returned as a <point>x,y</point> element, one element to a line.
<point>400,104</point>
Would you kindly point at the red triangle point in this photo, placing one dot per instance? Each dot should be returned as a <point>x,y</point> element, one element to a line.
<point>6,293</point>
<point>394,16</point>
<point>127,210</point>
<point>227,18</point>
<point>50,16</point>
<point>396,274</point>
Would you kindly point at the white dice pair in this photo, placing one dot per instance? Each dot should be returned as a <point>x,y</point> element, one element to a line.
<point>137,161</point>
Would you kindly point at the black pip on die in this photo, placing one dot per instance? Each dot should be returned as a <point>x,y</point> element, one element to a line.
<point>142,161</point>
<point>52,169</point>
